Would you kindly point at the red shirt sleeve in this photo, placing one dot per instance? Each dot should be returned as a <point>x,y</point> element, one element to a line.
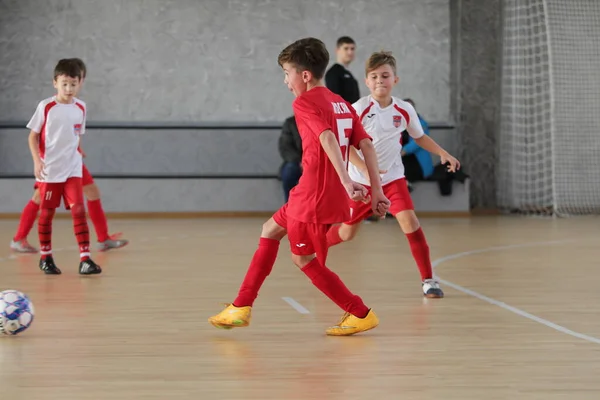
<point>309,116</point>
<point>358,131</point>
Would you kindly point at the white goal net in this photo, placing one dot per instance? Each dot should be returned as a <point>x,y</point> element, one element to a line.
<point>549,138</point>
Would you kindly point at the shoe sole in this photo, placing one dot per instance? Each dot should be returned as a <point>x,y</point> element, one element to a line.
<point>434,296</point>
<point>222,326</point>
<point>103,249</point>
<point>350,334</point>
<point>24,251</point>
<point>51,273</point>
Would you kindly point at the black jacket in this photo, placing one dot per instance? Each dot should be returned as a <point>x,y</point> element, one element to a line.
<point>290,143</point>
<point>340,81</point>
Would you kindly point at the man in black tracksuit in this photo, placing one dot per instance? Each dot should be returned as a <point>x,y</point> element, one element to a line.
<point>338,79</point>
<point>290,149</point>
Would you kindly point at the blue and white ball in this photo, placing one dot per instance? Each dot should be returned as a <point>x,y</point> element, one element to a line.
<point>16,312</point>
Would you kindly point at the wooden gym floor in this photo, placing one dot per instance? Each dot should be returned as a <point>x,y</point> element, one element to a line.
<point>520,319</point>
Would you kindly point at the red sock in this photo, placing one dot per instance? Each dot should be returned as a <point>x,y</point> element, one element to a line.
<point>45,231</point>
<point>260,267</point>
<point>82,233</point>
<point>420,251</point>
<point>96,213</point>
<point>27,220</point>
<point>333,236</point>
<point>332,286</point>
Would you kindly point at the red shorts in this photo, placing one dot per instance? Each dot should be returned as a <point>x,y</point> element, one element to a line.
<point>396,191</point>
<point>86,178</point>
<point>305,238</point>
<point>51,193</point>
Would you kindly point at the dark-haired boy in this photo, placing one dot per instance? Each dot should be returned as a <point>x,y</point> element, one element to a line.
<point>328,125</point>
<point>54,143</point>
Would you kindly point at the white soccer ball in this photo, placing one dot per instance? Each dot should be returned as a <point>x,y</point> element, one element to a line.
<point>16,312</point>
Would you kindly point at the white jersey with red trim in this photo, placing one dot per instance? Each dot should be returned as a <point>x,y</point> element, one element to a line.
<point>59,126</point>
<point>385,126</point>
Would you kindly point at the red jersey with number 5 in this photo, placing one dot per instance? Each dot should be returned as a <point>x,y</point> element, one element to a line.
<point>320,196</point>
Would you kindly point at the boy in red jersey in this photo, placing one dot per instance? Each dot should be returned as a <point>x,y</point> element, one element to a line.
<point>55,128</point>
<point>106,241</point>
<point>328,126</point>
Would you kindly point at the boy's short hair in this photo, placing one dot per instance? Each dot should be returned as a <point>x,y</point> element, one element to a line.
<point>378,59</point>
<point>81,65</point>
<point>67,67</point>
<point>308,54</point>
<point>345,40</point>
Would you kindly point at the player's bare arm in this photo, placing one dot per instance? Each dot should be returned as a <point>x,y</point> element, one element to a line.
<point>431,146</point>
<point>81,149</point>
<point>379,203</point>
<point>357,160</point>
<point>34,145</point>
<point>359,163</point>
<point>331,146</point>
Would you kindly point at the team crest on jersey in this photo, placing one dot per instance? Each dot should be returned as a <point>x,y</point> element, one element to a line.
<point>397,121</point>
<point>77,129</point>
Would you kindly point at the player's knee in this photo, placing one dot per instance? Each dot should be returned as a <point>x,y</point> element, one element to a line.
<point>91,192</point>
<point>272,230</point>
<point>408,221</point>
<point>36,197</point>
<point>302,261</point>
<point>348,232</point>
<point>78,209</point>
<point>47,214</point>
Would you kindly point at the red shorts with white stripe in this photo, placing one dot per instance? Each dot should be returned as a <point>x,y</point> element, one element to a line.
<point>397,193</point>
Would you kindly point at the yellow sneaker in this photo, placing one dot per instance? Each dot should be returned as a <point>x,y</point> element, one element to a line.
<point>232,317</point>
<point>349,324</point>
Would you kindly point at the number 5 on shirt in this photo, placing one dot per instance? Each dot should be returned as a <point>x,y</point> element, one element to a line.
<point>344,125</point>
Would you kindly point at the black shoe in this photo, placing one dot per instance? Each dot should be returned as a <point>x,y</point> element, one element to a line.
<point>89,267</point>
<point>48,267</point>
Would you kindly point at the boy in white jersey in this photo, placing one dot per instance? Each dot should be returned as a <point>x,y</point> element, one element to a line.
<point>96,213</point>
<point>385,117</point>
<point>54,143</point>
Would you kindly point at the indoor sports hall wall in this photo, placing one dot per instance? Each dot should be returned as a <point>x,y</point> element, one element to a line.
<point>189,60</point>
<point>214,63</point>
<point>476,38</point>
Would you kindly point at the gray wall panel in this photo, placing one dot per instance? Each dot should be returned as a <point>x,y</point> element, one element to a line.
<point>189,60</point>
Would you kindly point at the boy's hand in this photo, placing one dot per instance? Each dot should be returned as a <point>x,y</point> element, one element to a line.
<point>356,191</point>
<point>379,203</point>
<point>38,170</point>
<point>454,163</point>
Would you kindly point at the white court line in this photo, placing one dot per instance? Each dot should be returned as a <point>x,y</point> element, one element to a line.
<point>295,305</point>
<point>501,304</point>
